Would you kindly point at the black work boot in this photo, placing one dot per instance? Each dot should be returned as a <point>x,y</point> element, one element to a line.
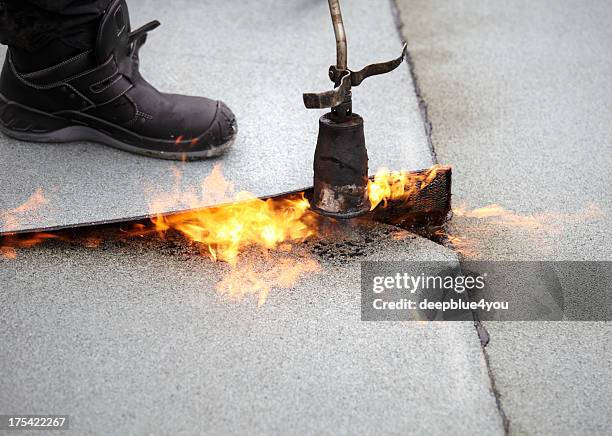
<point>100,96</point>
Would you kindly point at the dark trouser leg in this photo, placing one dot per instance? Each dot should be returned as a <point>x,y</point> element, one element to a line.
<point>43,32</point>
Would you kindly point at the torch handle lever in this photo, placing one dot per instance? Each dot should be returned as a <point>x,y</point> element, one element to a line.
<point>371,70</point>
<point>345,80</point>
<point>329,99</point>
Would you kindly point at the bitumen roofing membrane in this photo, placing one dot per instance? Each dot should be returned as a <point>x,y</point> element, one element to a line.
<point>259,63</point>
<point>132,336</point>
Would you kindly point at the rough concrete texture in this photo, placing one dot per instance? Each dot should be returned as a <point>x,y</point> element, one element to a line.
<point>259,57</point>
<point>554,379</point>
<point>518,97</point>
<point>131,338</point>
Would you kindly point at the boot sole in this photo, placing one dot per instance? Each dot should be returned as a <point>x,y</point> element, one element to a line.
<point>48,128</point>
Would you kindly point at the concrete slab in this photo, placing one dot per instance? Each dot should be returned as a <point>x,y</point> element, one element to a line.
<point>131,338</point>
<point>554,378</point>
<point>517,94</point>
<point>259,57</point>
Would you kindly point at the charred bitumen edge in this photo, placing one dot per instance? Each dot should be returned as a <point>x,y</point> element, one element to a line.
<point>420,221</point>
<point>421,215</point>
<point>138,219</point>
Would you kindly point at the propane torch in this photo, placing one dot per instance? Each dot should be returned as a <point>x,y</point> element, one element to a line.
<point>341,157</point>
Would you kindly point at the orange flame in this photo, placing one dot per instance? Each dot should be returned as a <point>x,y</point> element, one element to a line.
<point>497,213</point>
<point>11,242</point>
<point>474,230</point>
<point>551,221</point>
<point>398,185</point>
<point>224,232</point>
<point>13,217</point>
<point>247,280</point>
<point>245,221</point>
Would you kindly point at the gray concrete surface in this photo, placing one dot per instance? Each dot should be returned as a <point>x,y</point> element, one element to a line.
<point>131,338</point>
<point>518,96</point>
<point>259,57</point>
<point>555,378</point>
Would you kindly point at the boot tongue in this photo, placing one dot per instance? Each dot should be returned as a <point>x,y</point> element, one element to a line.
<point>113,34</point>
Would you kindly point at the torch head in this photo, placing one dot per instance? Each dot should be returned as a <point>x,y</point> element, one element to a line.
<point>341,168</point>
<point>341,158</point>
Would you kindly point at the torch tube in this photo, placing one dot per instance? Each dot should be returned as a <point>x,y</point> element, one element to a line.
<point>341,46</point>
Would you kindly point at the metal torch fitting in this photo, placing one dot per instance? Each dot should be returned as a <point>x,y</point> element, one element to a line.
<point>341,168</point>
